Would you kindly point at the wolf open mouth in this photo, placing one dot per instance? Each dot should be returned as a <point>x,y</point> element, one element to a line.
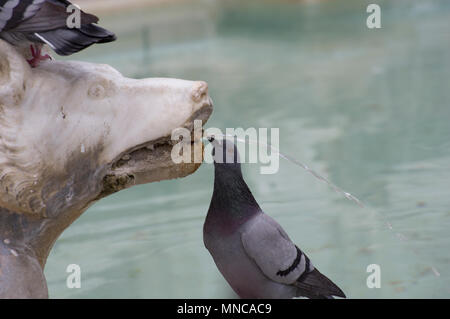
<point>152,161</point>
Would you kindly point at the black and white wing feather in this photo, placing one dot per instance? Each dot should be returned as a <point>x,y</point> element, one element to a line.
<point>45,21</point>
<point>269,246</point>
<point>13,12</point>
<point>265,241</point>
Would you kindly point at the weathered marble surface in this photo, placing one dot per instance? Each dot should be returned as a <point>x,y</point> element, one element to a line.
<point>70,134</point>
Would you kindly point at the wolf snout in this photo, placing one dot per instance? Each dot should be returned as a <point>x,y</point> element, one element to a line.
<point>199,91</point>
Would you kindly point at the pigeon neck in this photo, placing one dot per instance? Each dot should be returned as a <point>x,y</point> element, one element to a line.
<point>231,196</point>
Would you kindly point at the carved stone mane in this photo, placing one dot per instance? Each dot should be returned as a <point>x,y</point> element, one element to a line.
<point>19,172</point>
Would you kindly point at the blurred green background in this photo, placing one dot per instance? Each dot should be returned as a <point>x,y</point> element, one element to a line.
<point>369,109</point>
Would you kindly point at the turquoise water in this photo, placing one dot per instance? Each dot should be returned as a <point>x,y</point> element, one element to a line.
<point>368,109</point>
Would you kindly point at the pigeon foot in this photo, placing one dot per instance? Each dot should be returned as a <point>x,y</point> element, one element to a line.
<point>37,57</point>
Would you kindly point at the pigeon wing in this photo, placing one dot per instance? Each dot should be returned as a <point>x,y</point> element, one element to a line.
<point>274,253</point>
<point>52,15</point>
<point>14,12</point>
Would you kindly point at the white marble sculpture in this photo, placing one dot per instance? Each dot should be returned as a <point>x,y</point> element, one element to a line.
<point>70,134</point>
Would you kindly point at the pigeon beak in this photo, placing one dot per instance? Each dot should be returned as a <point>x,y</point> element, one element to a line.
<point>211,138</point>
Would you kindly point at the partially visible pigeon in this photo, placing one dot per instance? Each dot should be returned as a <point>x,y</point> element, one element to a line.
<point>32,23</point>
<point>251,250</point>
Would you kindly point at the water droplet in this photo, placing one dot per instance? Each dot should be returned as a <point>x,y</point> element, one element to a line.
<point>435,271</point>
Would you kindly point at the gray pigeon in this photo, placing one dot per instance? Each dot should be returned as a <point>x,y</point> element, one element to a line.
<point>32,23</point>
<point>251,250</point>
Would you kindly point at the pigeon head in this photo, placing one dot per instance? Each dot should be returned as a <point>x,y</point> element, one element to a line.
<point>225,154</point>
<point>232,199</point>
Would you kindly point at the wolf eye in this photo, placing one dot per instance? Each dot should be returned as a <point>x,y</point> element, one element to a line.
<point>97,91</point>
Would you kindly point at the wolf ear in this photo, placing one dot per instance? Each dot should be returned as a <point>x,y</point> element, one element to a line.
<point>13,71</point>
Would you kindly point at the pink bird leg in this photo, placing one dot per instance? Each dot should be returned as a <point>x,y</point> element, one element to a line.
<point>36,53</point>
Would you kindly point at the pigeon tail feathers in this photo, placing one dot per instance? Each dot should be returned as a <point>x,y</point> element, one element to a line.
<point>315,285</point>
